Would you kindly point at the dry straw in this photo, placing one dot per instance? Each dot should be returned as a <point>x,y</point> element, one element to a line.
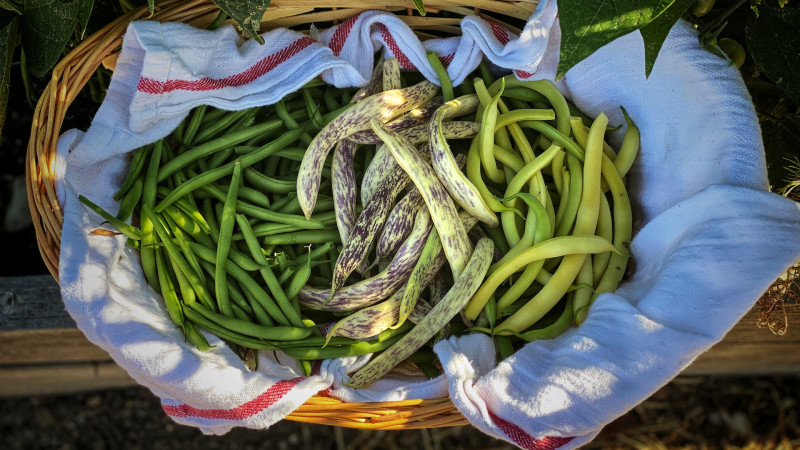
<point>75,70</point>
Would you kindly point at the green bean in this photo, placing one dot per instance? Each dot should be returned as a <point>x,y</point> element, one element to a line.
<point>313,110</point>
<point>270,184</point>
<point>226,334</point>
<point>188,294</point>
<point>629,147</point>
<point>277,333</point>
<point>314,254</point>
<point>526,95</point>
<point>224,123</point>
<point>382,342</point>
<point>286,274</point>
<point>236,295</point>
<point>281,298</point>
<point>248,284</point>
<point>548,90</point>
<point>247,194</point>
<point>504,346</point>
<point>178,131</point>
<point>299,279</point>
<point>279,203</point>
<point>304,237</point>
<point>575,190</point>
<point>137,164</point>
<point>441,73</point>
<point>167,290</point>
<point>486,73</point>
<point>330,99</point>
<point>149,198</point>
<point>213,115</point>
<point>552,331</point>
<point>266,214</point>
<point>190,209</point>
<point>242,298</point>
<point>194,337</point>
<point>128,230</point>
<point>224,243</point>
<point>229,140</point>
<point>474,175</point>
<point>183,245</point>
<point>219,158</point>
<point>488,134</point>
<point>215,174</point>
<point>283,114</point>
<point>324,205</point>
<point>193,125</point>
<point>177,258</point>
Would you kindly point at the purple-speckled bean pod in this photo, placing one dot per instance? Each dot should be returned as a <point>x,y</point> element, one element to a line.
<point>430,262</point>
<point>443,211</point>
<point>418,134</point>
<point>455,299</point>
<point>374,289</point>
<point>398,225</point>
<point>381,107</point>
<point>344,188</point>
<point>367,226</point>
<point>400,221</point>
<point>453,179</point>
<point>372,87</point>
<point>374,320</point>
<point>391,74</point>
<point>382,164</point>
<point>414,118</point>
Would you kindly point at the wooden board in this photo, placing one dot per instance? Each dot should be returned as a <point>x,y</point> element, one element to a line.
<point>44,353</point>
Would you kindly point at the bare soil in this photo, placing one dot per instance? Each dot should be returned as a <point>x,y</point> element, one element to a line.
<point>689,413</point>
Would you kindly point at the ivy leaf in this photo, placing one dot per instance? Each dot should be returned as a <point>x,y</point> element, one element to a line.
<point>773,41</point>
<point>655,32</point>
<point>47,26</point>
<point>247,14</point>
<point>587,26</point>
<point>8,41</point>
<point>12,5</point>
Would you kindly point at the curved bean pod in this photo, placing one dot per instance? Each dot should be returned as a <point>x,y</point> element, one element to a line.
<point>463,289</point>
<point>443,212</point>
<point>376,288</point>
<point>450,175</point>
<point>382,107</point>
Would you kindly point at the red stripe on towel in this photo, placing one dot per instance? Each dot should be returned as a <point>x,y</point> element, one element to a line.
<point>402,59</point>
<point>525,440</point>
<point>262,67</point>
<point>340,35</point>
<point>499,32</point>
<point>269,397</point>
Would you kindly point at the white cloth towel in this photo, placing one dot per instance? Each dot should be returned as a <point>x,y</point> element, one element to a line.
<point>710,236</point>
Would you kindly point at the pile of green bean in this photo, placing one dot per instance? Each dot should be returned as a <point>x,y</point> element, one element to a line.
<point>315,225</point>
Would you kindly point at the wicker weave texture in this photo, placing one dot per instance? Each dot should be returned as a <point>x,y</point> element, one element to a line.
<point>74,71</point>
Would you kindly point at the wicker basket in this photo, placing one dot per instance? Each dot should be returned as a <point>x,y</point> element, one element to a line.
<point>75,70</point>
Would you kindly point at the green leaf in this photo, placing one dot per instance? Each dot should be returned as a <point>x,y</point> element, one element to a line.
<point>656,31</point>
<point>773,41</point>
<point>47,26</point>
<point>12,5</point>
<point>9,23</point>
<point>8,40</point>
<point>247,14</point>
<point>586,26</point>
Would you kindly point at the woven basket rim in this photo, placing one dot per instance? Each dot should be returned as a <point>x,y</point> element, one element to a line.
<point>73,72</point>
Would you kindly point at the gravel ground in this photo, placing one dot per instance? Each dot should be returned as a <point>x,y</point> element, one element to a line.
<point>689,413</point>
